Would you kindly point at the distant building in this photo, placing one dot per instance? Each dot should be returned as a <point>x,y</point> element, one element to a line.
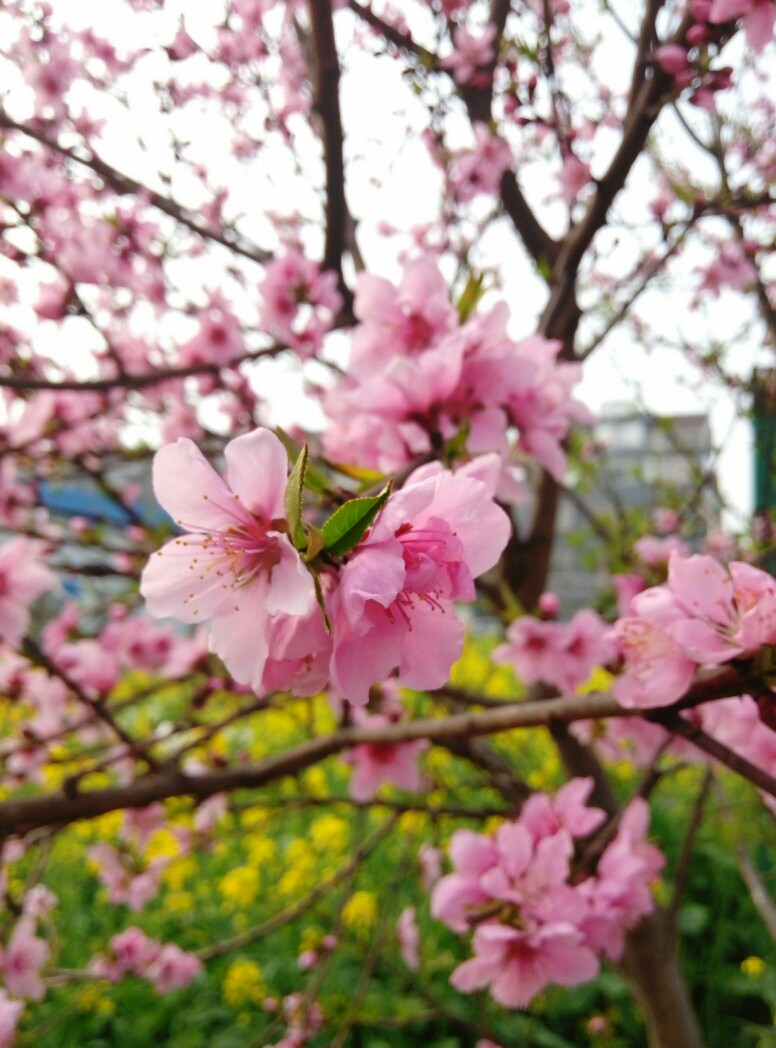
<point>640,459</point>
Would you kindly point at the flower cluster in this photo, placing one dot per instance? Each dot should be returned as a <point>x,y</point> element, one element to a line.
<point>704,615</point>
<point>558,653</point>
<point>23,578</point>
<point>390,603</point>
<point>165,965</point>
<point>417,376</point>
<point>540,917</point>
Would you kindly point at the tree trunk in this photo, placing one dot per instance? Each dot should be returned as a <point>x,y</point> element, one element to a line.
<point>651,965</point>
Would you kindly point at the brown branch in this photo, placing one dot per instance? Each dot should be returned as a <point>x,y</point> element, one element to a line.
<point>646,105</point>
<point>128,380</point>
<point>711,746</point>
<point>688,843</point>
<point>644,47</point>
<point>400,40</point>
<point>22,814</point>
<point>134,747</point>
<point>327,106</point>
<point>125,184</point>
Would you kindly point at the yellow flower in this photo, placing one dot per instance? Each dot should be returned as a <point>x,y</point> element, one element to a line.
<point>298,852</point>
<point>360,912</point>
<point>314,780</point>
<point>329,833</point>
<point>243,983</point>
<point>162,844</point>
<point>92,999</point>
<point>753,966</point>
<point>294,881</point>
<point>412,822</point>
<point>179,902</point>
<point>240,886</point>
<point>177,873</point>
<point>599,680</point>
<point>261,850</point>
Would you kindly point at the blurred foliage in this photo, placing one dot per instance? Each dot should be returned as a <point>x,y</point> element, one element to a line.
<point>277,847</point>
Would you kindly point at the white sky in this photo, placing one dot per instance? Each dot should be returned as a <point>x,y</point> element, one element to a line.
<point>660,382</point>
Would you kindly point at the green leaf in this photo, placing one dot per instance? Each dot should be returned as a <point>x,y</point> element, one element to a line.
<point>346,527</point>
<point>365,476</point>
<point>457,444</point>
<point>294,500</point>
<point>472,293</point>
<point>314,542</point>
<point>315,479</point>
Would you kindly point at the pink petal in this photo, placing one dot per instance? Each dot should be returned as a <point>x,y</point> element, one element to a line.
<point>257,470</point>
<point>431,645</point>
<point>703,587</point>
<point>376,573</point>
<point>291,586</point>
<point>191,491</point>
<point>758,25</point>
<point>239,638</point>
<point>172,586</point>
<point>702,643</point>
<point>474,974</point>
<point>727,10</point>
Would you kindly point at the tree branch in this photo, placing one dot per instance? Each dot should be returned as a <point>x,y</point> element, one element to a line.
<point>125,185</point>
<point>22,814</point>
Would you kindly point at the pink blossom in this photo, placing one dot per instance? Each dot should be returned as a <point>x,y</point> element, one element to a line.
<point>299,301</point>
<point>673,60</point>
<point>233,566</point>
<point>23,578</point>
<point>39,902</point>
<point>393,609</point>
<point>24,957</point>
<point>400,320</point>
<point>517,964</point>
<point>656,552</point>
<point>172,968</point>
<point>574,176</point>
<point>658,670</point>
<point>626,587</point>
<point>727,611</point>
<point>408,935</point>
<point>459,894</point>
<point>543,815</point>
<point>10,1013</point>
<point>563,654</point>
<point>131,951</point>
<point>430,861</point>
<point>623,738</point>
<point>377,763</point>
<point>299,652</point>
<point>479,170</point>
<point>470,54</point>
<point>621,893</point>
<point>759,18</point>
<point>730,268</point>
<point>219,340</point>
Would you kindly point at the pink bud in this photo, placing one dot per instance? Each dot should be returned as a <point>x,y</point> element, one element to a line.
<point>697,34</point>
<point>672,58</point>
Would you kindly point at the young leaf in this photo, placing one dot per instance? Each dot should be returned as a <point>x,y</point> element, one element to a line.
<point>472,293</point>
<point>314,542</point>
<point>315,479</point>
<point>367,477</point>
<point>346,527</point>
<point>294,500</point>
<point>320,599</point>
